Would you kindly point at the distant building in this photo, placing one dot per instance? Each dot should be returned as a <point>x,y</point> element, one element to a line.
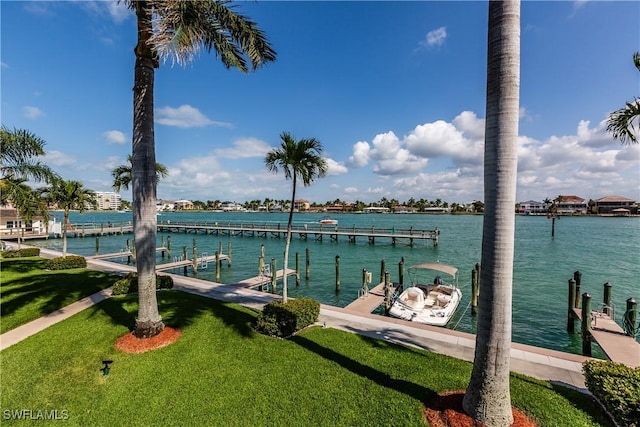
<point>616,206</point>
<point>11,224</point>
<point>232,207</point>
<point>108,200</point>
<point>375,209</point>
<point>165,205</point>
<point>572,205</point>
<point>185,205</point>
<point>532,207</point>
<point>301,205</point>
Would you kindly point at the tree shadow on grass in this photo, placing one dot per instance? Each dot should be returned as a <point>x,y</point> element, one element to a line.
<point>416,391</point>
<point>52,291</point>
<point>178,310</point>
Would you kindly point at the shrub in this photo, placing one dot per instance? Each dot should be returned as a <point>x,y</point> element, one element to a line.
<point>282,320</point>
<point>65,263</point>
<point>129,284</point>
<point>617,386</point>
<point>21,253</point>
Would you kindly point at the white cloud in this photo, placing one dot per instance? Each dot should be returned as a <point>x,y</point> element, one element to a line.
<point>360,155</point>
<point>435,37</point>
<point>335,168</point>
<point>185,116</point>
<point>391,158</point>
<point>244,148</point>
<point>59,159</point>
<point>32,112</point>
<point>115,137</point>
<point>4,65</point>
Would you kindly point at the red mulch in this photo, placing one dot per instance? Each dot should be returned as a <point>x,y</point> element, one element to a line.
<point>132,344</point>
<point>445,410</point>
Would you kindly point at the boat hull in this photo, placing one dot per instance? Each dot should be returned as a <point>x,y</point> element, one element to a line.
<point>435,309</point>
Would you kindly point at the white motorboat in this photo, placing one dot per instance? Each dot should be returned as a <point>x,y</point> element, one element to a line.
<point>328,220</point>
<point>429,303</point>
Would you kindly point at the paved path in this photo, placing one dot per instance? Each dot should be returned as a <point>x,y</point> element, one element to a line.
<point>557,367</point>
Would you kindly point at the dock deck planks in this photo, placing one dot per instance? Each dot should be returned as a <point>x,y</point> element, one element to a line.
<point>618,346</point>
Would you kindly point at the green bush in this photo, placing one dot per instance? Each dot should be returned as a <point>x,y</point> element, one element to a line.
<point>65,263</point>
<point>282,320</point>
<point>617,386</point>
<point>129,284</point>
<point>21,253</point>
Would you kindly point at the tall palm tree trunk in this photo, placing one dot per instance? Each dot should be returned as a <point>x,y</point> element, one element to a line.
<point>143,183</point>
<point>488,397</point>
<point>288,242</point>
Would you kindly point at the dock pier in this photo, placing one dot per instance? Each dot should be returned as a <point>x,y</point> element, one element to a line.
<point>618,343</point>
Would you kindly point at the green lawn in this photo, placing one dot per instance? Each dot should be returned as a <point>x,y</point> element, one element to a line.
<point>220,372</point>
<point>28,292</point>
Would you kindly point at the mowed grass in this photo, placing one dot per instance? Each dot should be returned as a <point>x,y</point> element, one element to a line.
<point>27,291</point>
<point>221,373</point>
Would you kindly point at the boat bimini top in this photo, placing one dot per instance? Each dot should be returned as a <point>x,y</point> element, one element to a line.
<point>443,268</point>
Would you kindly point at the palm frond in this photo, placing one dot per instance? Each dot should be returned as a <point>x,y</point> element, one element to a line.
<point>624,123</point>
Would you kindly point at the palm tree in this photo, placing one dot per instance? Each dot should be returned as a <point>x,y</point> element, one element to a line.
<point>488,397</point>
<point>177,30</point>
<point>625,122</point>
<point>297,159</point>
<point>68,196</point>
<point>122,174</point>
<point>19,162</point>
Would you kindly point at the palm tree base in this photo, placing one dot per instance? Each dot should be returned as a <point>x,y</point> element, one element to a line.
<point>148,328</point>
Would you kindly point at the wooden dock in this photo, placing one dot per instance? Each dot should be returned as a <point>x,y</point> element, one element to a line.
<point>121,254</point>
<point>308,231</point>
<point>371,300</point>
<point>313,231</point>
<point>200,262</point>
<point>618,346</point>
<point>262,280</point>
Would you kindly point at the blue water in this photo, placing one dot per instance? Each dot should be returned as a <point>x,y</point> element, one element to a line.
<point>603,249</point>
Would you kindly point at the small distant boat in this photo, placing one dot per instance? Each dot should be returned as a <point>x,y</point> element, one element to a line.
<point>431,303</point>
<point>328,221</point>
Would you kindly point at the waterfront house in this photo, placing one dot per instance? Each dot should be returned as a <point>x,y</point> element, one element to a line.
<point>616,206</point>
<point>12,225</point>
<point>531,207</point>
<point>183,205</point>
<point>301,205</point>
<point>570,205</point>
<point>375,209</point>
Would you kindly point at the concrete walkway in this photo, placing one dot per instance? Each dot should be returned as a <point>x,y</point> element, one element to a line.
<point>557,367</point>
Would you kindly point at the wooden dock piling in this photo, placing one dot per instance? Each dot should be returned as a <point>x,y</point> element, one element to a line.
<point>630,318</point>
<point>297,268</point>
<point>607,299</point>
<point>586,324</point>
<point>387,292</point>
<point>571,302</point>
<point>337,273</point>
<point>401,272</point>
<point>273,275</point>
<point>383,268</point>
<point>577,276</point>
<point>307,264</point>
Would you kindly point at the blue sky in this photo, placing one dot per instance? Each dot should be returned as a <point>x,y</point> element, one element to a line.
<point>395,92</point>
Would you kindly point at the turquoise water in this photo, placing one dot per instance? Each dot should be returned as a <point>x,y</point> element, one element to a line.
<point>603,249</point>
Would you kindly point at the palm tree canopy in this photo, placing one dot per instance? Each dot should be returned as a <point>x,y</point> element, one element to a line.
<point>69,195</point>
<point>624,123</point>
<point>297,159</point>
<point>181,29</point>
<point>19,152</point>
<point>122,174</point>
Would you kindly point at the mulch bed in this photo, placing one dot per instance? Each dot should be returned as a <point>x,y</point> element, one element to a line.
<point>445,410</point>
<point>132,344</point>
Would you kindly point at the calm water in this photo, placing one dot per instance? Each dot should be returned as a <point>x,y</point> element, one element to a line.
<point>603,249</point>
